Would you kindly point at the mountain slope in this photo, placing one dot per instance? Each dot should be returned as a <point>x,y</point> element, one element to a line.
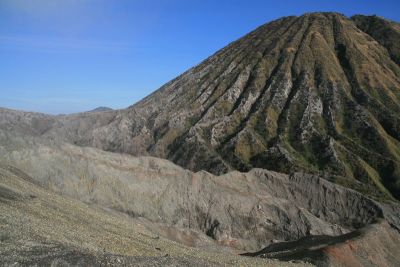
<point>386,32</point>
<point>41,228</point>
<point>240,210</point>
<point>212,216</point>
<point>310,93</point>
<point>318,93</point>
<point>352,249</point>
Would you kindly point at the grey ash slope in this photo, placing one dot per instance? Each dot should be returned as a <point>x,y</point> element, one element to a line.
<point>41,228</point>
<point>212,216</point>
<point>318,93</point>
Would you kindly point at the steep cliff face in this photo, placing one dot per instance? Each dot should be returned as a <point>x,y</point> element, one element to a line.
<point>318,93</point>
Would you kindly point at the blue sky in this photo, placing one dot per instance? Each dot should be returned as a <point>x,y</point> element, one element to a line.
<point>64,56</point>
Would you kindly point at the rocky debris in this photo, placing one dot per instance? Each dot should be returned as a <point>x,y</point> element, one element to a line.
<point>59,256</point>
<point>54,230</point>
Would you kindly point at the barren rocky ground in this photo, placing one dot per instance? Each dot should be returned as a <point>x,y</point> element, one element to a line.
<point>230,214</point>
<point>41,228</point>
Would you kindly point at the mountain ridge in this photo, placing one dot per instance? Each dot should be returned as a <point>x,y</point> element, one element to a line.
<point>260,134</point>
<point>312,93</point>
<point>227,214</point>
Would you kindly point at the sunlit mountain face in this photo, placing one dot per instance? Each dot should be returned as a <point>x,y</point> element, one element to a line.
<point>283,145</point>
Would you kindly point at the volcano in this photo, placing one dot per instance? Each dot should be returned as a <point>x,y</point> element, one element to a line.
<point>318,93</point>
<point>275,114</point>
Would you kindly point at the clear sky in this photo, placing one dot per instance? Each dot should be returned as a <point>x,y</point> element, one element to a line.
<point>64,56</point>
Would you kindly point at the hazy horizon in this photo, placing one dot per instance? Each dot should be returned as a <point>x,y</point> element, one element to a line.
<point>61,57</point>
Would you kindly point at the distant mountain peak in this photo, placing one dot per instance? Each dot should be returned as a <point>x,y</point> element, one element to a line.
<point>100,109</point>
